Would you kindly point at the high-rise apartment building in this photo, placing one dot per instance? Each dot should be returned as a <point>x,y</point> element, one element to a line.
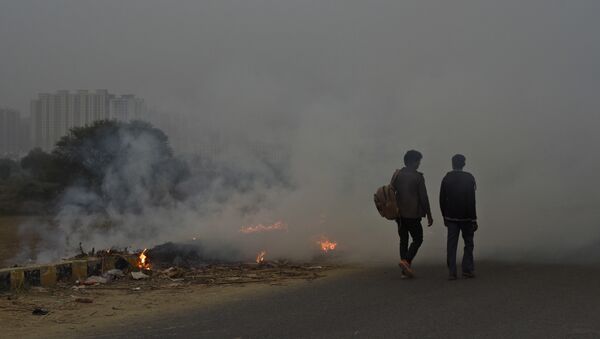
<point>24,139</point>
<point>10,122</point>
<point>126,108</point>
<point>53,115</point>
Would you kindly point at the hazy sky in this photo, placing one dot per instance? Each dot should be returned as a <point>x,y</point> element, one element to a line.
<point>171,52</point>
<point>350,86</point>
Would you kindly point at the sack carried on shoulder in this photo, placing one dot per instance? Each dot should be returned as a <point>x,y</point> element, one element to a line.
<point>385,201</point>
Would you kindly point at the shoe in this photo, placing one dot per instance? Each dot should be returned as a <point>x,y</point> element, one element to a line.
<point>468,275</point>
<point>405,266</point>
<point>403,276</point>
<point>452,277</point>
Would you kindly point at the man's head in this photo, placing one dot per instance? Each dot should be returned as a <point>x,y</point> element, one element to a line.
<point>458,162</point>
<point>412,159</point>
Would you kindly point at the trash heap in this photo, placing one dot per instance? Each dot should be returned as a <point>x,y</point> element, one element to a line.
<point>213,274</point>
<point>172,265</point>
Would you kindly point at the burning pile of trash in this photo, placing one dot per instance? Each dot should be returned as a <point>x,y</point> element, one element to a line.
<point>171,268</point>
<point>191,263</point>
<point>175,265</point>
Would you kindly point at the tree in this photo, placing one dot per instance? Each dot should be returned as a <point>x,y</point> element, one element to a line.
<point>87,152</point>
<point>130,165</point>
<point>7,167</point>
<point>42,166</point>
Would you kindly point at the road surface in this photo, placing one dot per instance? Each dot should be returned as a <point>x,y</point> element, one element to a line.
<point>504,301</point>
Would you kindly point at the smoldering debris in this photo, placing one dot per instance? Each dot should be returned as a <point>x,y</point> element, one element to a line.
<point>214,274</point>
<point>198,270</point>
<point>189,254</point>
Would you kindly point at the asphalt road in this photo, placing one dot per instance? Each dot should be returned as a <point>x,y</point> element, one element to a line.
<point>504,301</point>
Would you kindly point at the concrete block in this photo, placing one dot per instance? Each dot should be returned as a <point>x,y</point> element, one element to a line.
<point>67,271</point>
<point>79,269</point>
<point>48,276</point>
<point>17,279</point>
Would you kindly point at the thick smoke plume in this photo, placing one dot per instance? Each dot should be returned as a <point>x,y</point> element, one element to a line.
<point>339,90</point>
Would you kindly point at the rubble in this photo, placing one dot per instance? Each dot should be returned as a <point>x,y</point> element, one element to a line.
<point>167,266</point>
<point>223,274</point>
<point>139,275</point>
<point>207,274</point>
<point>115,273</point>
<point>173,272</point>
<point>39,311</point>
<point>93,280</point>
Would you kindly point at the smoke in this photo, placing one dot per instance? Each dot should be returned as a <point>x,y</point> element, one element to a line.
<point>332,94</point>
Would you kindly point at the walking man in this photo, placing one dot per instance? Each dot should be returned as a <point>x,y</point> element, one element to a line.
<point>413,204</point>
<point>457,202</point>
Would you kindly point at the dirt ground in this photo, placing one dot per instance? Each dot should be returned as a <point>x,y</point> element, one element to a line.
<point>74,311</point>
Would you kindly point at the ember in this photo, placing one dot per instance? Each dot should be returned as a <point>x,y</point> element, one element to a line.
<point>143,263</point>
<point>264,228</point>
<point>327,245</point>
<point>260,258</point>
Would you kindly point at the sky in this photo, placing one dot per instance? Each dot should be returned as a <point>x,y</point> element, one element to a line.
<point>347,87</point>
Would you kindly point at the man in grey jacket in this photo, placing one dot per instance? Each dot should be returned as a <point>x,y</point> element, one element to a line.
<point>457,202</point>
<point>413,203</point>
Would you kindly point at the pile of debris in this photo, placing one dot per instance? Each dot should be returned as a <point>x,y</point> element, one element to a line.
<point>270,271</point>
<point>215,274</point>
<point>168,268</point>
<point>174,265</point>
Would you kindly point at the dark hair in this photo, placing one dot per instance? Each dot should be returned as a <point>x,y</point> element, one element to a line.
<point>412,157</point>
<point>458,161</point>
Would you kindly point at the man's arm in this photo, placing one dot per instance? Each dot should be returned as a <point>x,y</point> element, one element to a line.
<point>472,204</point>
<point>424,200</point>
<point>394,176</point>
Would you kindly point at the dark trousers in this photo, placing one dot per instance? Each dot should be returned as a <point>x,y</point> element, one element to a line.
<point>414,228</point>
<point>454,228</point>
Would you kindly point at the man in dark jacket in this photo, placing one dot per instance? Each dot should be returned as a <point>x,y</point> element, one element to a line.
<point>413,204</point>
<point>457,201</point>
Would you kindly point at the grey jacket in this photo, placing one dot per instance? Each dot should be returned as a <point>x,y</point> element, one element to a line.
<point>411,193</point>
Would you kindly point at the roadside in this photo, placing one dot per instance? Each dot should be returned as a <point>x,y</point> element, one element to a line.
<point>75,310</point>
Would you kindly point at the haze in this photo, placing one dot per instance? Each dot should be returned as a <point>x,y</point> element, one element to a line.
<point>344,88</point>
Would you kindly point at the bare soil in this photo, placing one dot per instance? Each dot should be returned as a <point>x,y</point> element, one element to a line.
<point>76,310</point>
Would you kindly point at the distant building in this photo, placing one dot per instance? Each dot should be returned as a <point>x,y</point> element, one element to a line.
<point>24,139</point>
<point>53,115</point>
<point>126,108</point>
<point>10,124</point>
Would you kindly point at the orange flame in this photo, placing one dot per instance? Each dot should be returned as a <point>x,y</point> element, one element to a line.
<point>327,245</point>
<point>260,258</point>
<point>279,225</point>
<point>143,263</point>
